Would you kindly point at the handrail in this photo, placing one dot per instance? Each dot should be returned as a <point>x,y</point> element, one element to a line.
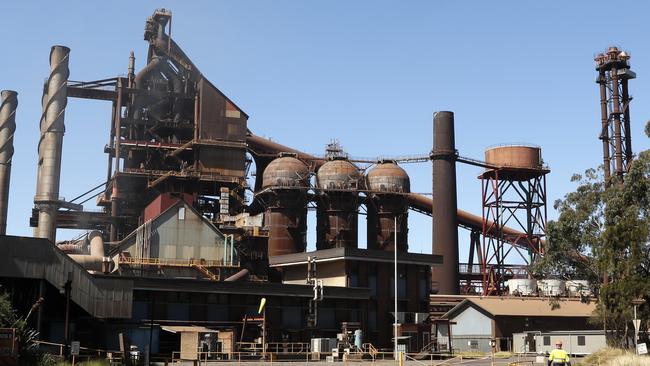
<point>175,262</point>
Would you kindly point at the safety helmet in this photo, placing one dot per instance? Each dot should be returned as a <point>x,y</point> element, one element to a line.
<point>558,342</point>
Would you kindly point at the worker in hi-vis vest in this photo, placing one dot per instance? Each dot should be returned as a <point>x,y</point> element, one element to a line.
<point>558,356</point>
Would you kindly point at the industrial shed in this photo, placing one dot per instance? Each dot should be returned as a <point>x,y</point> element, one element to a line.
<point>477,320</point>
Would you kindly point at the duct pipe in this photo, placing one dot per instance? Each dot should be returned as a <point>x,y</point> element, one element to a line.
<point>238,276</point>
<point>140,101</point>
<point>7,129</point>
<point>444,207</point>
<point>50,145</point>
<point>95,260</point>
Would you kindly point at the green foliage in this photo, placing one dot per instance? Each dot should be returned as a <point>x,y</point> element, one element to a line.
<point>27,349</point>
<point>603,234</point>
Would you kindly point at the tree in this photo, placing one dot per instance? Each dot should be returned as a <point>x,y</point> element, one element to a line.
<point>603,234</point>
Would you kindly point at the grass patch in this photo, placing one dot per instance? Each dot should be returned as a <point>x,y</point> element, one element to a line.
<point>503,354</point>
<point>614,357</point>
<point>475,354</point>
<point>471,354</point>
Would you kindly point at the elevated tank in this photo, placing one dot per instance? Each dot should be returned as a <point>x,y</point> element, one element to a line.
<point>284,182</point>
<point>522,286</point>
<point>515,156</point>
<point>337,211</point>
<point>386,183</point>
<point>552,287</point>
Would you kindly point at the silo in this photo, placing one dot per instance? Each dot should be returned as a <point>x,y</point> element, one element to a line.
<point>284,185</point>
<point>337,211</point>
<point>386,184</point>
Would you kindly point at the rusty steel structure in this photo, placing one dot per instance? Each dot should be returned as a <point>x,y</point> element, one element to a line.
<point>444,226</point>
<point>387,207</point>
<point>171,131</point>
<point>614,73</point>
<point>284,183</point>
<point>8,105</point>
<point>337,215</point>
<point>173,134</point>
<point>514,194</point>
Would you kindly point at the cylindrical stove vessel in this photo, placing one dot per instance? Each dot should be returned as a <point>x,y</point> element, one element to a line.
<point>284,182</point>
<point>50,146</point>
<point>337,211</point>
<point>444,210</point>
<point>387,184</point>
<point>9,103</point>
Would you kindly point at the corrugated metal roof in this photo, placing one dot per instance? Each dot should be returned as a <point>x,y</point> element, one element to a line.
<point>522,306</point>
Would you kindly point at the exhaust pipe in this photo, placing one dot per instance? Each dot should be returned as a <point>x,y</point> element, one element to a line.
<point>50,146</point>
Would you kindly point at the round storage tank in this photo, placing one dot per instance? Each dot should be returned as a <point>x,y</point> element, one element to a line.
<point>522,286</point>
<point>515,156</point>
<point>286,178</point>
<point>286,171</point>
<point>578,288</point>
<point>552,287</point>
<point>387,176</point>
<point>384,203</point>
<point>338,174</point>
<point>337,209</point>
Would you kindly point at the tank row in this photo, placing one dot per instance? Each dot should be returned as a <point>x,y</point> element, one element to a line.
<point>285,186</point>
<point>549,287</point>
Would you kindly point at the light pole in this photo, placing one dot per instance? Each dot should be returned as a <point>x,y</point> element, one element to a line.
<point>637,322</point>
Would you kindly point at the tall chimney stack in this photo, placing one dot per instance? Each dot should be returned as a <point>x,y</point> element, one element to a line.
<point>7,129</point>
<point>50,146</point>
<point>444,217</point>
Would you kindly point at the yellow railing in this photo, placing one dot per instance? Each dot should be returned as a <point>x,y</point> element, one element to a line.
<point>176,262</point>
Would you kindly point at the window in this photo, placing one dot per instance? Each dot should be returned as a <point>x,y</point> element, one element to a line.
<point>473,344</point>
<point>581,340</point>
<point>547,340</point>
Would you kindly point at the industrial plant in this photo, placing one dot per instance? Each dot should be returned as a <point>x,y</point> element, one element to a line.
<point>197,246</point>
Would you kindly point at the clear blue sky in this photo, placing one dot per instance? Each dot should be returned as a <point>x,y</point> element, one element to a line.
<point>370,73</point>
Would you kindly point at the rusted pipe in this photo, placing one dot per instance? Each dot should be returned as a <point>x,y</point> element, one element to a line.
<point>238,276</point>
<point>7,129</point>
<point>95,260</point>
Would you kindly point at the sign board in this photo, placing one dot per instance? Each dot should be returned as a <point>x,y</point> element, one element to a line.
<point>642,349</point>
<point>74,348</point>
<point>8,342</point>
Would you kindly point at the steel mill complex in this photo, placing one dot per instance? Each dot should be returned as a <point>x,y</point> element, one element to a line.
<point>188,240</point>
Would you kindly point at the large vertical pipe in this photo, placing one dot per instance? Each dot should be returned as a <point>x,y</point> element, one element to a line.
<point>445,222</point>
<point>625,99</point>
<point>7,129</point>
<point>604,121</point>
<point>616,111</point>
<point>115,195</point>
<point>50,146</point>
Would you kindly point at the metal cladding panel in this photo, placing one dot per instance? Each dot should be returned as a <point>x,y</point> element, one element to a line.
<point>444,210</point>
<point>219,119</point>
<point>222,160</point>
<point>163,202</point>
<point>39,259</point>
